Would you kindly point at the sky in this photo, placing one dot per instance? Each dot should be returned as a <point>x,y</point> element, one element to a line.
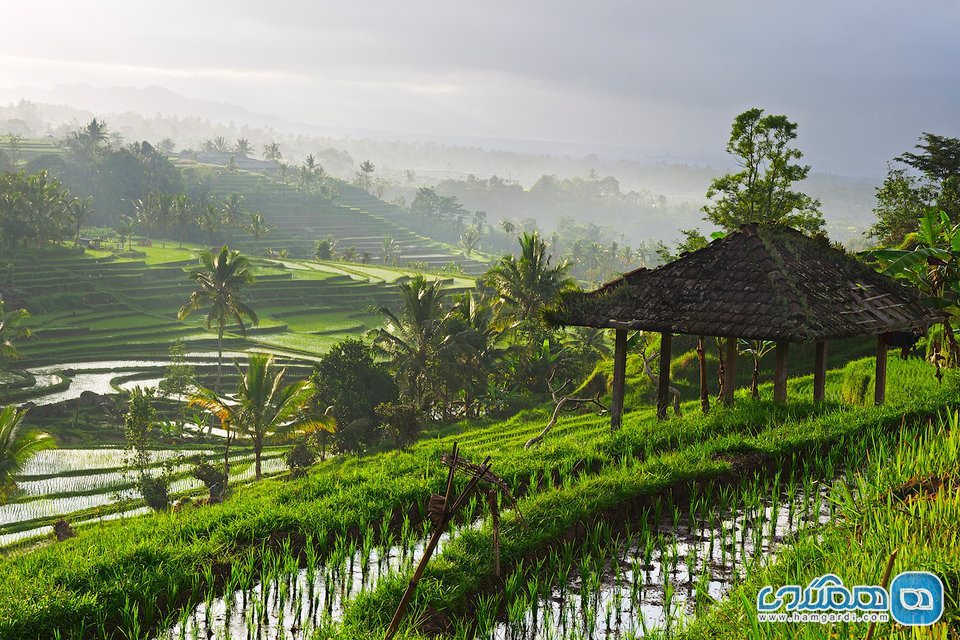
<point>655,80</point>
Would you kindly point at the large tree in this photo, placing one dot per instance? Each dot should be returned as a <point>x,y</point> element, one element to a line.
<point>928,178</point>
<point>220,282</point>
<point>762,190</point>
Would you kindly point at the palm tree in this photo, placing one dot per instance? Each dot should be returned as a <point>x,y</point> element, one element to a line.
<point>265,405</point>
<point>209,221</point>
<point>220,282</point>
<point>162,213</point>
<point>11,329</point>
<point>17,446</point>
<point>271,151</point>
<point>233,211</point>
<point>144,213</point>
<point>181,214</point>
<point>528,283</point>
<point>262,405</point>
<point>470,240</point>
<point>220,144</point>
<point>412,337</point>
<point>43,200</point>
<point>243,148</point>
<point>257,227</point>
<point>389,248</point>
<point>77,211</point>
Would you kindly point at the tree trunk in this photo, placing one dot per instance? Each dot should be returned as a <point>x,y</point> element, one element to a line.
<point>219,354</point>
<point>755,379</point>
<point>257,451</point>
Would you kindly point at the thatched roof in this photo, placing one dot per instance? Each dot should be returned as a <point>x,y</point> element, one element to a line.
<point>764,282</point>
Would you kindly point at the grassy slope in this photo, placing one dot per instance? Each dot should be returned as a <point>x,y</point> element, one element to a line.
<point>910,503</point>
<point>164,553</point>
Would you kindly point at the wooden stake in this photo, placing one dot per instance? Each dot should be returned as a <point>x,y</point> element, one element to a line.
<point>780,372</point>
<point>883,583</point>
<point>880,379</point>
<point>730,371</point>
<point>663,381</point>
<point>495,517</point>
<point>702,361</point>
<point>438,531</point>
<point>619,374</point>
<point>820,372</point>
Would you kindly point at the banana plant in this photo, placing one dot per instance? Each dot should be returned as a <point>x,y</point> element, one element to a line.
<point>930,261</point>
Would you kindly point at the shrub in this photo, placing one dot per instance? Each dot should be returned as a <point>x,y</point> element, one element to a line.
<point>401,421</point>
<point>300,458</point>
<point>155,491</point>
<point>212,476</point>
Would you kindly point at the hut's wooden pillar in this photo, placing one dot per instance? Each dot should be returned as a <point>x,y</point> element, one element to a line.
<point>820,372</point>
<point>619,374</point>
<point>702,361</point>
<point>880,379</point>
<point>663,382</point>
<point>729,371</point>
<point>780,372</point>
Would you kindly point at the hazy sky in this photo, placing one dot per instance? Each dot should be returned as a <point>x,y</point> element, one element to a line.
<point>862,77</point>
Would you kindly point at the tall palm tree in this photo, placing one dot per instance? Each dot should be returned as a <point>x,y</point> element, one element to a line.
<point>209,221</point>
<point>220,281</point>
<point>17,446</point>
<point>412,337</point>
<point>389,248</point>
<point>220,144</point>
<point>181,214</point>
<point>11,330</point>
<point>144,213</point>
<point>233,211</point>
<point>271,151</point>
<point>528,283</point>
<point>43,200</point>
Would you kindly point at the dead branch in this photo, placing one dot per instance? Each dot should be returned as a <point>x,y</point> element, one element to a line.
<point>574,403</point>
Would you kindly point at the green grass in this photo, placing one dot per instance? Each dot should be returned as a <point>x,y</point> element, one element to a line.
<point>909,502</point>
<point>162,554</point>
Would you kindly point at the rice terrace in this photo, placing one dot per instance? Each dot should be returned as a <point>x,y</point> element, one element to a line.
<point>413,323</point>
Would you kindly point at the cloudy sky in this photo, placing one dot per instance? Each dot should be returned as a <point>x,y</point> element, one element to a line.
<point>653,79</point>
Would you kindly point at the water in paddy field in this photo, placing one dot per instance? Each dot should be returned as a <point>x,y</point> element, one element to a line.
<point>296,601</point>
<point>656,579</point>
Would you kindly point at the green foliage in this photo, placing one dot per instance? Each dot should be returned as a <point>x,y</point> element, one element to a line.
<point>762,190</point>
<point>400,421</point>
<point>141,434</point>
<point>17,446</point>
<point>11,330</point>
<point>349,380</point>
<point>299,458</point>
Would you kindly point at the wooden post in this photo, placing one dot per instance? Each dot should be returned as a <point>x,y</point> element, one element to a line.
<point>663,382</point>
<point>780,372</point>
<point>495,518</point>
<point>820,372</point>
<point>880,379</point>
<point>702,360</point>
<point>730,371</point>
<point>619,374</point>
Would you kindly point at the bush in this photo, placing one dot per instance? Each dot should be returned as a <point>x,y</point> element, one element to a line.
<point>357,436</point>
<point>212,476</point>
<point>401,421</point>
<point>300,458</point>
<point>155,491</point>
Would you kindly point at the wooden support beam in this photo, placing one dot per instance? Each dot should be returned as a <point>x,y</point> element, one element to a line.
<point>619,375</point>
<point>820,372</point>
<point>729,371</point>
<point>880,379</point>
<point>663,382</point>
<point>780,372</point>
<point>702,361</point>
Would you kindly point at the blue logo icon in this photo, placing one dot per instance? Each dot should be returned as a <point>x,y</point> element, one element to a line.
<point>916,598</point>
